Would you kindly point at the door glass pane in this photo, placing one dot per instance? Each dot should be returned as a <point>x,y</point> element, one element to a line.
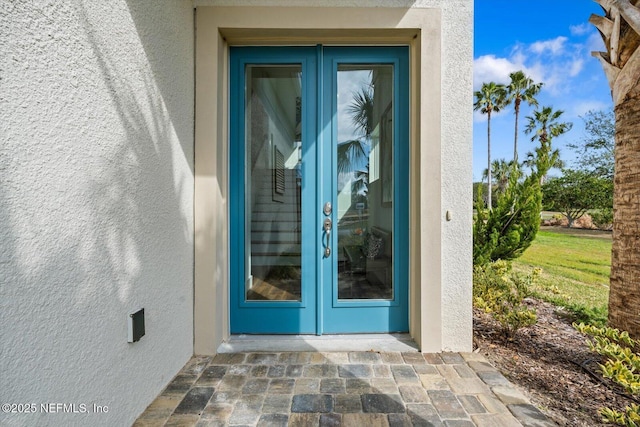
<point>365,181</point>
<point>273,182</point>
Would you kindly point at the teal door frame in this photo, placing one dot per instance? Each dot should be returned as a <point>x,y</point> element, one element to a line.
<point>319,310</point>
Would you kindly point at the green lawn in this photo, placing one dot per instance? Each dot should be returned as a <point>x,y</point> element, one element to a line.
<point>575,270</point>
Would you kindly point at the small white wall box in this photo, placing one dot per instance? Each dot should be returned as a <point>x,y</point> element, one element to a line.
<point>135,326</point>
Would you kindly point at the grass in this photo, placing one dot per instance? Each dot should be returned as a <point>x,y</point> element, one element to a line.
<point>575,272</point>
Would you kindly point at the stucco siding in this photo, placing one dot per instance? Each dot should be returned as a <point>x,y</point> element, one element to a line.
<point>457,143</point>
<point>96,196</point>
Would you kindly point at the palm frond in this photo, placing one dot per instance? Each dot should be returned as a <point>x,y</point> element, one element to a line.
<point>361,110</point>
<point>350,154</point>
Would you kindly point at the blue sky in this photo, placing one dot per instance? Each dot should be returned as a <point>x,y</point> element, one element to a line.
<point>551,41</point>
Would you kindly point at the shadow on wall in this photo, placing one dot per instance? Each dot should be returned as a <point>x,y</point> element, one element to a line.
<point>163,41</point>
<point>104,224</point>
<point>159,37</point>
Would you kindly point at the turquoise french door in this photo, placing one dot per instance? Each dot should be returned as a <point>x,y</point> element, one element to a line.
<point>318,190</point>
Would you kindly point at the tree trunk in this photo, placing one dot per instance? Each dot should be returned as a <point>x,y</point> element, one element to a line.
<point>624,294</point>
<point>489,189</point>
<point>620,30</point>
<point>515,136</point>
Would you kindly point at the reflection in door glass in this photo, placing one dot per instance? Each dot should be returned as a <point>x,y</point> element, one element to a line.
<point>365,181</point>
<point>272,194</point>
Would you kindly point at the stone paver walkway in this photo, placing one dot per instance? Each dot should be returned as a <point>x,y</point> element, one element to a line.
<point>360,389</point>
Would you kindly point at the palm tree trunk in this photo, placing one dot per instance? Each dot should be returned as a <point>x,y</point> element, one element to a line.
<point>620,30</point>
<point>515,136</point>
<point>624,293</point>
<point>489,201</point>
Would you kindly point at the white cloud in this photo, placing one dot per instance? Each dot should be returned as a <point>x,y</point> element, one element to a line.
<point>517,54</point>
<point>582,107</point>
<point>580,30</point>
<point>554,46</point>
<point>555,62</point>
<point>575,67</point>
<point>595,43</point>
<point>489,68</point>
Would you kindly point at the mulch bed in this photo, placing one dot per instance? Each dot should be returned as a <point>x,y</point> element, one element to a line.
<point>551,363</point>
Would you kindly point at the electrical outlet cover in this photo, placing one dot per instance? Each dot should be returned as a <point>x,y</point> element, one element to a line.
<point>136,326</point>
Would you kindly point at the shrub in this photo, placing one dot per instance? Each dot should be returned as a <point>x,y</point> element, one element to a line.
<point>507,230</point>
<point>500,292</point>
<point>603,218</point>
<point>622,365</point>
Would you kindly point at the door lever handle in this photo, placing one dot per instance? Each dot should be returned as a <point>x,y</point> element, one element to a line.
<point>327,225</point>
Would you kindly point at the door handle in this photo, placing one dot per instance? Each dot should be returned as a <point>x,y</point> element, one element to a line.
<point>327,225</point>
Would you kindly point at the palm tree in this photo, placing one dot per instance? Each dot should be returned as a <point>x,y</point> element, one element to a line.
<point>620,29</point>
<point>521,88</point>
<point>545,125</point>
<point>352,154</point>
<point>490,98</point>
<point>500,170</point>
<point>530,162</point>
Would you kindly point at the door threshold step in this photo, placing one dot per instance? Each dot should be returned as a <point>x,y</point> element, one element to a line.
<point>319,343</point>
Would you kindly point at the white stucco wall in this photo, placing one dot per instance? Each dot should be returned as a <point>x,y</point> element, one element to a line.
<point>96,194</point>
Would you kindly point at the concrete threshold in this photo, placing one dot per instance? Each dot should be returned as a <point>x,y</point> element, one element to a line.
<point>319,343</point>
